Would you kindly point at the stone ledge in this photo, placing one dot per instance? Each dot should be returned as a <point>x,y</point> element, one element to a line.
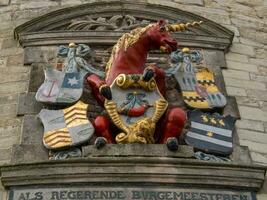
<point>133,150</point>
<point>147,170</point>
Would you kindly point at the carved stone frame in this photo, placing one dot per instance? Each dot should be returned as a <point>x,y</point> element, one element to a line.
<point>30,160</point>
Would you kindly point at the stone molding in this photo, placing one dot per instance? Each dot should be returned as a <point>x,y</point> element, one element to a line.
<point>153,171</point>
<point>51,28</point>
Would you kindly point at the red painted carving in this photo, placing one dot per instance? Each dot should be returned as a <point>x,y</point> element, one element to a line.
<point>132,61</point>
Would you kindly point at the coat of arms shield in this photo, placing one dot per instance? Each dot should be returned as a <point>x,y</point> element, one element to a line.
<point>137,108</point>
<point>212,133</point>
<point>60,87</point>
<point>67,127</point>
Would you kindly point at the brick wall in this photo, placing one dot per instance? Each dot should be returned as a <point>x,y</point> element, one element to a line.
<point>246,76</point>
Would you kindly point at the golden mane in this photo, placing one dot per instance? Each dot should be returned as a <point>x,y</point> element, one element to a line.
<point>125,41</point>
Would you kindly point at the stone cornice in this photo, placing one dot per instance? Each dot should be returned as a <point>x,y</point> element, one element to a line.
<point>51,29</point>
<point>133,170</point>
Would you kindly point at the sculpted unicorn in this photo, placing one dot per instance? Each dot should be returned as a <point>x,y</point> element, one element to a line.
<point>133,94</point>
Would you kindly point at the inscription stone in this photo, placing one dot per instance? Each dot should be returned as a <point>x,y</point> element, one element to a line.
<point>127,193</point>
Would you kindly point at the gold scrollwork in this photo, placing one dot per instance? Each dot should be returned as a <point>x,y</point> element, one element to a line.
<point>135,81</point>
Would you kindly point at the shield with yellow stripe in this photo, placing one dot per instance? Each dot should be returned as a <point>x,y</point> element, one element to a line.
<point>67,127</point>
<point>198,86</point>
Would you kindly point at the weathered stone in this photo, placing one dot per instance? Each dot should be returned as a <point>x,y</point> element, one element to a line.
<point>261,53</point>
<point>233,28</point>
<point>250,125</point>
<point>257,77</point>
<point>14,69</point>
<point>261,196</point>
<point>234,91</point>
<point>231,108</point>
<point>5,155</point>
<point>241,9</point>
<point>252,113</point>
<point>254,146</point>
<point>236,57</point>
<point>253,136</point>
<point>13,87</point>
<point>15,60</point>
<point>262,62</point>
<point>241,155</point>
<point>167,3</point>
<point>128,150</point>
<point>11,51</point>
<point>9,136</point>
<point>259,158</point>
<point>245,84</point>
<point>28,104</point>
<point>9,43</point>
<point>32,132</point>
<point>8,110</point>
<point>36,77</point>
<point>3,61</point>
<point>4,2</point>
<point>237,74</point>
<point>28,153</point>
<point>194,2</point>
<point>8,99</point>
<point>257,94</point>
<point>251,2</point>
<point>214,59</point>
<point>243,21</point>
<point>250,42</point>
<point>5,122</point>
<point>261,11</point>
<point>247,101</point>
<point>38,4</point>
<point>253,34</point>
<point>242,49</point>
<point>10,77</point>
<point>39,54</point>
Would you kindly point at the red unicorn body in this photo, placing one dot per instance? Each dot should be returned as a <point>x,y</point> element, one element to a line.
<point>129,57</point>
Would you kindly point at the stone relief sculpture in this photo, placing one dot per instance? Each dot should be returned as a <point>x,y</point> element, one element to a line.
<point>132,94</point>
<point>116,23</point>
<point>198,86</point>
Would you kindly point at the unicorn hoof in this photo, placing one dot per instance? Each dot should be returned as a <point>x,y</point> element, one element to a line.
<point>106,92</point>
<point>172,144</point>
<point>149,74</point>
<point>100,142</point>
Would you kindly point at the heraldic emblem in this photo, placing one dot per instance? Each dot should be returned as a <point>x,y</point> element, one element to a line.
<point>67,127</point>
<point>133,96</point>
<point>212,133</point>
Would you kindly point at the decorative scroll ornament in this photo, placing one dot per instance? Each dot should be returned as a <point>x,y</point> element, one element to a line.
<point>212,133</point>
<point>65,154</point>
<point>208,157</point>
<point>136,108</point>
<point>115,23</point>
<point>198,86</point>
<point>66,86</point>
<point>66,128</point>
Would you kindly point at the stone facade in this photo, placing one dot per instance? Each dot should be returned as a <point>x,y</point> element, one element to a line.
<point>245,76</point>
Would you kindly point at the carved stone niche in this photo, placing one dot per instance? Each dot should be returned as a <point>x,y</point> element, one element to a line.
<point>125,170</point>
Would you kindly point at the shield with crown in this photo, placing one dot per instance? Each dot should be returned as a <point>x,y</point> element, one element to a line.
<point>199,89</point>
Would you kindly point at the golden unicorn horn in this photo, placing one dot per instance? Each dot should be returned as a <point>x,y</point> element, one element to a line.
<point>182,27</point>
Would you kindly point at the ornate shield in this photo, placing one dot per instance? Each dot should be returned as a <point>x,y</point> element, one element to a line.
<point>60,87</point>
<point>67,127</point>
<point>211,133</point>
<point>198,86</point>
<point>136,107</point>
